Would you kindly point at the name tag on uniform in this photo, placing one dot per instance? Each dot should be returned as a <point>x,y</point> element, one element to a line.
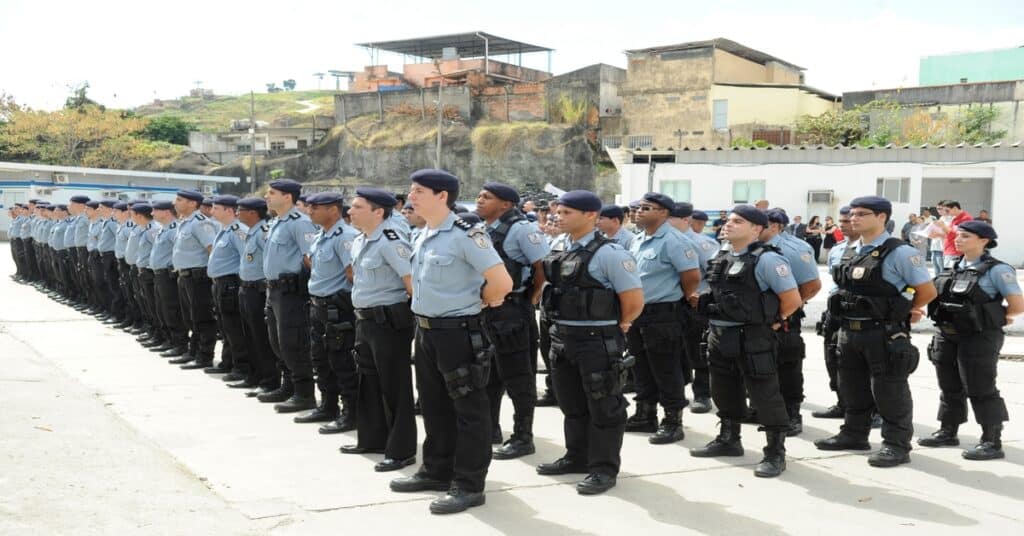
<point>736,268</point>
<point>961,285</point>
<point>569,267</point>
<point>858,272</point>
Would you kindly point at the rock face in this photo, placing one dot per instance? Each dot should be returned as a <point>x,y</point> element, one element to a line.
<point>366,152</point>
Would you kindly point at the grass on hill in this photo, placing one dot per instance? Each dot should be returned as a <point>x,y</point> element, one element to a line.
<point>216,114</point>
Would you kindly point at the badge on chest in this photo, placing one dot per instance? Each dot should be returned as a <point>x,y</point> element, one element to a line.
<point>961,285</point>
<point>736,268</point>
<point>858,272</point>
<point>569,267</point>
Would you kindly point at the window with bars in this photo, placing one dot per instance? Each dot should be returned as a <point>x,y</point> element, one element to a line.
<point>640,142</point>
<point>895,189</point>
<point>747,191</point>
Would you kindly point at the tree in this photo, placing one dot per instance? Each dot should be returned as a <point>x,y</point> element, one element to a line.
<point>62,137</point>
<point>974,125</point>
<point>289,85</point>
<point>272,87</point>
<point>168,128</point>
<point>78,98</point>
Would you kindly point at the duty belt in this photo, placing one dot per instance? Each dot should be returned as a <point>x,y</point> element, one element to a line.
<point>283,281</point>
<point>452,322</point>
<point>660,308</point>
<point>862,325</point>
<point>225,278</point>
<point>324,301</point>
<point>192,272</point>
<point>161,271</point>
<point>259,284</point>
<point>588,330</point>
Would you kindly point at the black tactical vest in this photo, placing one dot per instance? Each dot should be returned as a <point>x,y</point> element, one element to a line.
<point>863,293</point>
<point>572,293</point>
<point>962,306</point>
<point>735,293</point>
<point>498,235</point>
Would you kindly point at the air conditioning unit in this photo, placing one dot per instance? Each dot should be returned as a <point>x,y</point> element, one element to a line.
<point>207,189</point>
<point>820,196</point>
<point>61,178</point>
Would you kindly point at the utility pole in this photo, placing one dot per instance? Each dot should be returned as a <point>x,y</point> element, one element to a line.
<point>440,117</point>
<point>252,142</point>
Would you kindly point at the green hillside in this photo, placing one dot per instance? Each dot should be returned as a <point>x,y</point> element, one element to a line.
<point>291,108</point>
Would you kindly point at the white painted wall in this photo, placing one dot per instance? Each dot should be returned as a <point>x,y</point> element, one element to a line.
<point>787,185</point>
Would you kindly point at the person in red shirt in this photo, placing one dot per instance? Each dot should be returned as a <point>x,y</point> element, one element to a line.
<point>959,216</point>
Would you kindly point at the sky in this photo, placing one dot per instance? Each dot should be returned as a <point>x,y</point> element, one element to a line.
<point>133,52</point>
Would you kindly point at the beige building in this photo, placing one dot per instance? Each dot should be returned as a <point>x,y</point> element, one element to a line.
<point>709,93</point>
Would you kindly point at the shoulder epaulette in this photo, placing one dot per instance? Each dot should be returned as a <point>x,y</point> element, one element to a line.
<point>462,224</point>
<point>234,227</point>
<point>200,217</point>
<point>265,228</point>
<point>391,234</point>
<point>294,216</point>
<point>172,225</point>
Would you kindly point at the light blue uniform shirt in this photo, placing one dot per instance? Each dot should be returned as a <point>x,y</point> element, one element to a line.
<point>414,234</point>
<point>330,255</point>
<point>131,248</point>
<point>250,266</point>
<point>146,238</point>
<point>121,240</point>
<point>15,229</point>
<point>1001,279</point>
<point>289,240</point>
<point>108,236</point>
<point>611,265</point>
<point>706,247</point>
<point>623,238</point>
<point>226,255</point>
<point>379,262</point>
<point>163,247</point>
<point>400,224</point>
<point>57,234</point>
<point>660,257</point>
<point>800,255</point>
<point>81,225</point>
<point>524,244</point>
<point>447,269</point>
<point>44,231</point>
<point>772,273</point>
<point>902,267</point>
<point>195,234</point>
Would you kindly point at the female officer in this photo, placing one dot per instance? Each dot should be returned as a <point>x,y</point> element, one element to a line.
<point>970,316</point>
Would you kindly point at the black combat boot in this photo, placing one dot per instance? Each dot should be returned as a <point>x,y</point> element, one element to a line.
<point>726,444</point>
<point>282,393</point>
<point>645,419</point>
<point>832,412</point>
<point>796,421</point>
<point>325,412</point>
<point>521,442</point>
<point>991,445</point>
<point>945,436</point>
<point>301,400</point>
<point>889,456</point>
<point>670,430</point>
<point>701,404</point>
<point>774,461</point>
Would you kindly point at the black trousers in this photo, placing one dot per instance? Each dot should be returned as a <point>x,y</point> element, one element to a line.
<point>792,352</point>
<point>100,285</point>
<point>451,374</point>
<point>126,290</point>
<point>84,275</point>
<point>252,300</point>
<point>589,391</point>
<point>508,330</point>
<point>873,372</point>
<point>112,279</point>
<point>144,280</point>
<point>235,353</point>
<point>287,314</point>
<point>382,352</point>
<point>165,286</point>
<point>830,339</point>
<point>544,343</point>
<point>656,341</point>
<point>17,255</point>
<point>332,336</point>
<point>31,268</point>
<point>195,293</point>
<point>695,330</point>
<point>966,369</point>
<point>742,362</point>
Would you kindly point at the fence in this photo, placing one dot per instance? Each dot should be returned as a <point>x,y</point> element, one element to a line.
<point>456,101</point>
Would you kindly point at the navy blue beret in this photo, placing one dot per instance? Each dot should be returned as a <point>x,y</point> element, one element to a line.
<point>436,179</point>
<point>503,191</point>
<point>682,210</point>
<point>109,203</point>
<point>207,202</point>
<point>162,205</point>
<point>36,201</point>
<point>844,210</point>
<point>775,215</point>
<point>699,215</point>
<point>751,214</point>
<point>471,218</point>
<point>225,200</point>
<point>459,209</point>
<point>287,186</point>
<point>531,216</point>
<point>92,204</point>
<point>633,205</point>
<point>303,198</point>
<point>980,228</point>
<point>142,208</point>
<point>660,199</point>
<point>252,203</point>
<point>584,200</point>
<point>79,199</point>
<point>120,205</point>
<point>377,196</point>
<point>49,207</point>
<point>61,206</point>
<point>612,211</point>
<point>325,198</point>
<point>191,195</point>
<point>873,203</point>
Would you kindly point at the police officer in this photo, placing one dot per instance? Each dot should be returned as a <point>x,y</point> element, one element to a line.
<point>332,321</point>
<point>415,221</point>
<point>669,271</point>
<point>522,247</point>
<point>791,350</point>
<point>140,247</point>
<point>28,242</point>
<point>222,268</point>
<point>450,264</point>
<point>287,311</point>
<point>142,323</point>
<point>106,270</point>
<point>752,293</point>
<point>80,229</point>
<point>695,325</point>
<point>192,245</point>
<point>970,315</point>
<point>17,243</point>
<point>593,295</point>
<point>252,300</point>
<point>883,286</point>
<point>125,228</point>
<point>831,318</point>
<point>384,331</point>
<point>60,252</point>
<point>609,222</point>
<point>165,284</point>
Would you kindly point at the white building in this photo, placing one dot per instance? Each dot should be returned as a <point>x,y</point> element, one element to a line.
<point>816,180</point>
<point>21,182</point>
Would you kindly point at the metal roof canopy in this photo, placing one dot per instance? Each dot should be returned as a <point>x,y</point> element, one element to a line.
<point>15,166</point>
<point>468,45</point>
<point>720,43</point>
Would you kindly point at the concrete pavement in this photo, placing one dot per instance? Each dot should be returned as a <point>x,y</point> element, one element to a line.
<point>100,436</point>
